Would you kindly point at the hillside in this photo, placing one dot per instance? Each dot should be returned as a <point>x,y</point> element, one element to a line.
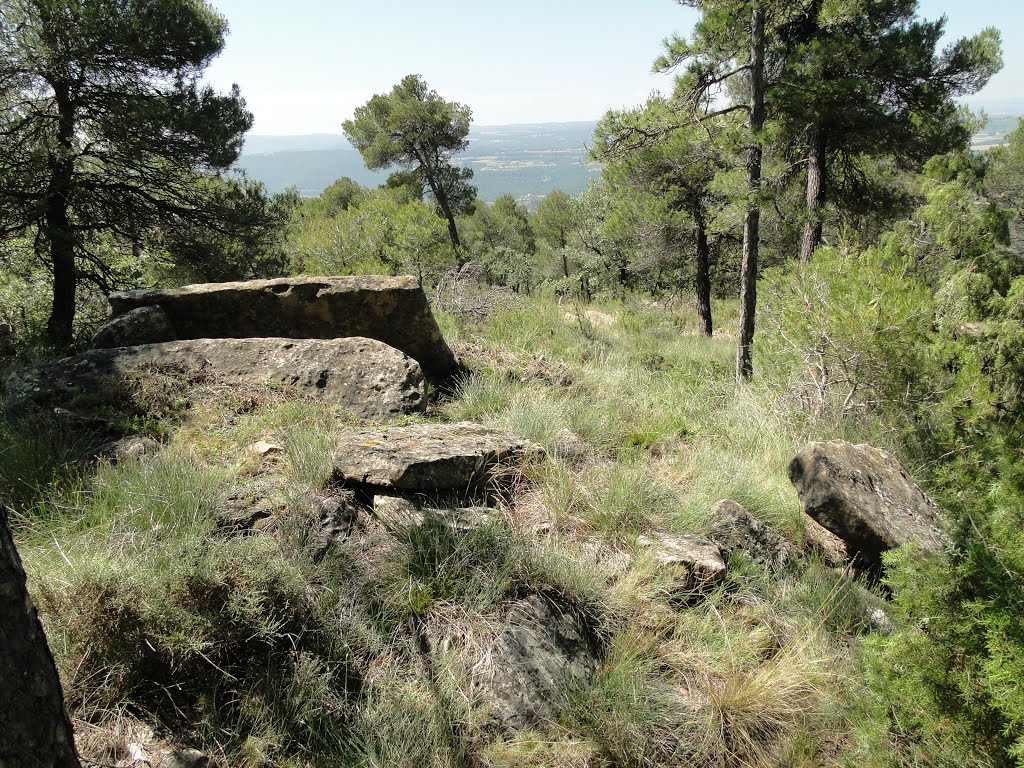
<point>253,608</point>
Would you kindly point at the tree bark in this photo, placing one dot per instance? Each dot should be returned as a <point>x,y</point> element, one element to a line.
<point>702,280</point>
<point>752,219</point>
<point>35,730</point>
<point>815,196</point>
<point>57,224</point>
<point>442,201</point>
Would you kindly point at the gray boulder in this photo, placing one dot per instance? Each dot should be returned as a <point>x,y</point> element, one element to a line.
<point>736,530</point>
<point>866,498</point>
<point>393,310</point>
<point>145,325</point>
<point>459,457</point>
<point>542,651</point>
<point>695,562</point>
<point>366,377</point>
<point>400,512</point>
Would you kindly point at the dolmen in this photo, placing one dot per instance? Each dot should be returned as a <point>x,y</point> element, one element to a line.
<point>365,343</point>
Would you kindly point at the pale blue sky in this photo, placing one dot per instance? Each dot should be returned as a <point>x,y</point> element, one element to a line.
<point>305,65</point>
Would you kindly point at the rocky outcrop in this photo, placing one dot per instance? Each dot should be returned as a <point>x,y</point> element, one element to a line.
<point>542,650</point>
<point>459,457</point>
<point>393,310</point>
<point>695,563</point>
<point>366,377</point>
<point>736,530</point>
<point>866,498</point>
<point>144,325</point>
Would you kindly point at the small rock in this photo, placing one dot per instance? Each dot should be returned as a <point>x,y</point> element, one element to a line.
<point>736,530</point>
<point>697,561</point>
<point>264,449</point>
<point>331,520</point>
<point>127,449</point>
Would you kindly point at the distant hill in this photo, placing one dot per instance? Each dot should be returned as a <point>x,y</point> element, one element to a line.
<point>526,161</point>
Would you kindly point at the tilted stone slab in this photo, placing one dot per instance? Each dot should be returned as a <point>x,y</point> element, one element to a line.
<point>364,376</point>
<point>429,457</point>
<point>543,652</point>
<point>866,498</point>
<point>400,512</point>
<point>390,309</point>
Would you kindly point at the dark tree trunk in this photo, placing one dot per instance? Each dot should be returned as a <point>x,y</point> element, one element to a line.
<point>702,280</point>
<point>57,224</point>
<point>442,202</point>
<point>752,219</point>
<point>815,197</point>
<point>34,725</point>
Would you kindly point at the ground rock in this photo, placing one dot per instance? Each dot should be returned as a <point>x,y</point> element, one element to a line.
<point>866,498</point>
<point>393,310</point>
<point>542,649</point>
<point>400,512</point>
<point>331,520</point>
<point>127,449</point>
<point>697,561</point>
<point>736,530</point>
<point>430,457</point>
<point>143,325</point>
<point>366,377</point>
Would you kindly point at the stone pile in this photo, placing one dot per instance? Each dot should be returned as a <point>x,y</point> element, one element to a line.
<point>363,343</point>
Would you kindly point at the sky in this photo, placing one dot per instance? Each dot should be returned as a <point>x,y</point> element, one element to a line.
<point>304,66</point>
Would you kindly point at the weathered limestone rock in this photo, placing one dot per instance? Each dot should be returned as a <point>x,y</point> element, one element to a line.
<point>399,512</point>
<point>366,377</point>
<point>736,530</point>
<point>865,497</point>
<point>697,562</point>
<point>393,310</point>
<point>542,650</point>
<point>429,457</point>
<point>144,325</point>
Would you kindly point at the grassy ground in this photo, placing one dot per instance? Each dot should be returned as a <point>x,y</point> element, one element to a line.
<point>259,653</point>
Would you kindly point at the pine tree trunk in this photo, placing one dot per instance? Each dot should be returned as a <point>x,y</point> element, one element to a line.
<point>34,725</point>
<point>752,219</point>
<point>702,280</point>
<point>815,196</point>
<point>57,225</point>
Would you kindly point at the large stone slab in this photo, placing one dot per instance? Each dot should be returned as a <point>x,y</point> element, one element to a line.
<point>364,376</point>
<point>429,457</point>
<point>390,309</point>
<point>866,498</point>
<point>543,650</point>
